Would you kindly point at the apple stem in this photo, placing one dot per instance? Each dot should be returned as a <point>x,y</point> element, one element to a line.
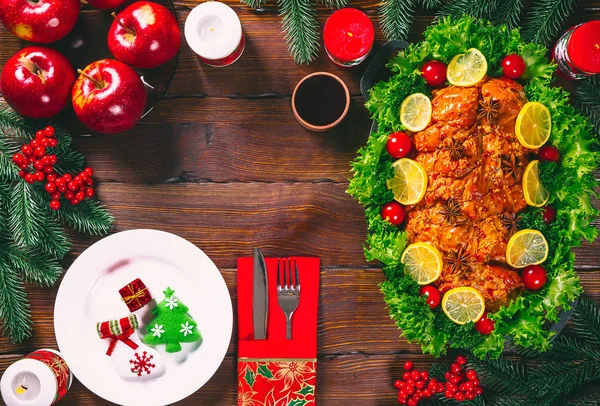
<point>96,82</point>
<point>41,76</point>
<point>129,30</point>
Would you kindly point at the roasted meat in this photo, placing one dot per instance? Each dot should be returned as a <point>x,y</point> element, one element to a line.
<point>474,164</point>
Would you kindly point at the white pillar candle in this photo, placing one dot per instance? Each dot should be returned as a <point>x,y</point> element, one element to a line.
<point>40,378</point>
<point>214,32</point>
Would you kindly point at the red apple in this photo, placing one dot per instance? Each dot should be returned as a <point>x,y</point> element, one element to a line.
<point>42,21</point>
<point>144,35</point>
<point>36,82</point>
<point>107,4</point>
<point>109,97</point>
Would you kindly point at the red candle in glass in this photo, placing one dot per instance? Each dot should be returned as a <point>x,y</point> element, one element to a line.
<point>348,37</point>
<point>577,52</point>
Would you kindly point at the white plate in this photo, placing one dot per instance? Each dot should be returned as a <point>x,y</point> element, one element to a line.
<point>89,293</point>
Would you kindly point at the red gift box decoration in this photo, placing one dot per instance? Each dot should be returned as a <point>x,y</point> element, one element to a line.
<point>118,330</point>
<point>135,295</point>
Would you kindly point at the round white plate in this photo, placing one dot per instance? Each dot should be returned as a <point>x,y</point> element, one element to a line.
<point>89,293</point>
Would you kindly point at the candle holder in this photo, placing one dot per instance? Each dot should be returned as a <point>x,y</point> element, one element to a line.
<point>214,32</point>
<point>348,36</point>
<point>577,51</point>
<point>41,378</point>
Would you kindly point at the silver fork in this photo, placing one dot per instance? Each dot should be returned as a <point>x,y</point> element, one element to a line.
<point>288,293</point>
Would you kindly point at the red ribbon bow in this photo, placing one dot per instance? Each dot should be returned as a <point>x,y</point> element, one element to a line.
<point>123,338</point>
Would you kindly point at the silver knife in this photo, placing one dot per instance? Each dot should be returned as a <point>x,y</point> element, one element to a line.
<point>260,296</point>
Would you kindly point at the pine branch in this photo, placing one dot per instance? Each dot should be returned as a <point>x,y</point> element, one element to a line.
<point>396,18</point>
<point>24,224</point>
<point>431,4</point>
<point>253,3</point>
<point>546,19</point>
<point>502,375</point>
<point>587,98</point>
<point>301,29</point>
<point>88,217</point>
<point>55,241</point>
<point>335,3</point>
<point>587,321</point>
<point>555,379</point>
<point>508,13</point>
<point>33,266</point>
<point>475,8</point>
<point>564,348</point>
<point>14,308</point>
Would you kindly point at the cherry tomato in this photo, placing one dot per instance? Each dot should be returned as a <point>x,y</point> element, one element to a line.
<point>408,366</point>
<point>549,214</point>
<point>484,325</point>
<point>393,212</point>
<point>549,153</point>
<point>513,66</point>
<point>398,145</point>
<point>434,73</point>
<point>432,295</point>
<point>534,277</point>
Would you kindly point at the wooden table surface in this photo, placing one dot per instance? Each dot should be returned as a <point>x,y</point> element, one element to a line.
<point>222,162</point>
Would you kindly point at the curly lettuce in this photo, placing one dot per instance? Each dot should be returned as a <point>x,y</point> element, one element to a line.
<point>571,184</point>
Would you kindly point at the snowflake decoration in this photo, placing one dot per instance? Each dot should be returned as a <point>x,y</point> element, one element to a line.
<point>171,302</point>
<point>186,328</point>
<point>157,330</point>
<point>141,363</point>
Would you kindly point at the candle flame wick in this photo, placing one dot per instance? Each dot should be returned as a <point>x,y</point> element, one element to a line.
<point>596,46</point>
<point>350,34</point>
<point>211,29</point>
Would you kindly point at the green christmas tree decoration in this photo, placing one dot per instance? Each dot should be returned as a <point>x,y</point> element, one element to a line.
<point>171,324</point>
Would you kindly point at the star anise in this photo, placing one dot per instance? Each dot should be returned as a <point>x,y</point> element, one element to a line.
<point>510,166</point>
<point>451,212</point>
<point>458,260</point>
<point>510,221</point>
<point>455,148</point>
<point>488,108</point>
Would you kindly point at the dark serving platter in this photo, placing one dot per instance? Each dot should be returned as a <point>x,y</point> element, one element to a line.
<point>377,72</point>
<point>87,43</point>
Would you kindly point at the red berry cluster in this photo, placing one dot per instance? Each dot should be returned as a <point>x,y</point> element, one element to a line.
<point>37,166</point>
<point>416,385</point>
<point>461,385</point>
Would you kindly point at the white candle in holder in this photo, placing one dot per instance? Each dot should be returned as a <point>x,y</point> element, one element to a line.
<point>214,32</point>
<point>39,379</point>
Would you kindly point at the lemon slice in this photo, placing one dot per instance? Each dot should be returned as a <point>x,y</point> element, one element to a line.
<point>409,182</point>
<point>533,125</point>
<point>534,192</point>
<point>423,262</point>
<point>463,305</point>
<point>526,247</point>
<point>467,69</point>
<point>415,112</point>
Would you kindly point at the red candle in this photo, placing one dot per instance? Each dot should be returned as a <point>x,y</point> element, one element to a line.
<point>577,52</point>
<point>348,37</point>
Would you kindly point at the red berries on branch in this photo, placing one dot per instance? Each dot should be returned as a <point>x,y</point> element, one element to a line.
<point>37,165</point>
<point>416,385</point>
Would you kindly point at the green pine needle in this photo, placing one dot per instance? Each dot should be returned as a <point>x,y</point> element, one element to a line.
<point>88,217</point>
<point>397,17</point>
<point>253,3</point>
<point>475,8</point>
<point>14,308</point>
<point>335,3</point>
<point>301,29</point>
<point>24,222</point>
<point>508,13</point>
<point>587,98</point>
<point>33,266</point>
<point>546,19</point>
<point>431,4</point>
<point>587,321</point>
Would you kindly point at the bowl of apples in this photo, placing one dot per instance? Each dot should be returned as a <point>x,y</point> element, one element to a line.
<point>98,68</point>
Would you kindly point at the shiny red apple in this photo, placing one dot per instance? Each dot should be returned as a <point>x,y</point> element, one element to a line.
<point>144,35</point>
<point>107,4</point>
<point>109,97</point>
<point>36,82</point>
<point>42,21</point>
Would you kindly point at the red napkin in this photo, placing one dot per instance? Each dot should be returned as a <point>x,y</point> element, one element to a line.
<point>277,371</point>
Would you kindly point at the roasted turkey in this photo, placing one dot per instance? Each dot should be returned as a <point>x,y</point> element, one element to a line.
<point>474,164</point>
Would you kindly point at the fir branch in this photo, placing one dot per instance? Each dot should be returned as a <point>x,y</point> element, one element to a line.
<point>396,18</point>
<point>508,13</point>
<point>564,348</point>
<point>587,321</point>
<point>475,8</point>
<point>14,308</point>
<point>301,29</point>
<point>54,242</point>
<point>556,379</point>
<point>502,375</point>
<point>431,4</point>
<point>546,19</point>
<point>587,98</point>
<point>24,224</point>
<point>89,217</point>
<point>255,4</point>
<point>335,3</point>
<point>33,266</point>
